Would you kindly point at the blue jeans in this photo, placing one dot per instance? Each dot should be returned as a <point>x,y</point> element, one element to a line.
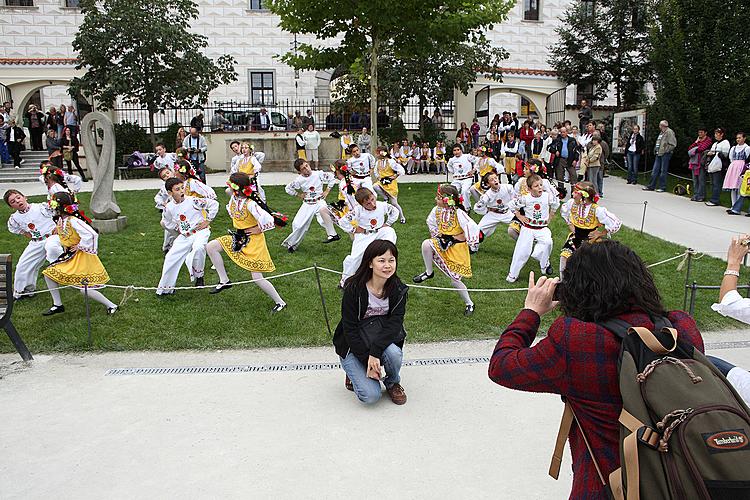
<point>717,181</point>
<point>737,206</point>
<point>368,390</point>
<point>633,160</point>
<point>661,169</point>
<point>699,184</point>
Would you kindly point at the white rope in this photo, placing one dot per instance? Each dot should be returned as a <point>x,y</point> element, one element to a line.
<point>682,255</point>
<point>29,294</point>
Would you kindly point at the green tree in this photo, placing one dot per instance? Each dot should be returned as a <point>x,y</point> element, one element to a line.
<point>143,52</point>
<point>604,44</point>
<point>366,32</point>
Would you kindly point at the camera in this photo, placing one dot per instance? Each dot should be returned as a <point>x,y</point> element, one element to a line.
<point>556,293</point>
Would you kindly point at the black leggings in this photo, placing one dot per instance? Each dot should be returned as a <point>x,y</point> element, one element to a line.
<point>78,166</point>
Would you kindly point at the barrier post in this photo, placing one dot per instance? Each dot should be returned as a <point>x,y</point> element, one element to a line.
<point>643,219</point>
<point>322,299</point>
<point>687,277</point>
<point>88,311</point>
<point>693,291</point>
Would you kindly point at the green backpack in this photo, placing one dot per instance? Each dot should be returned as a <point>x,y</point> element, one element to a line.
<point>683,428</point>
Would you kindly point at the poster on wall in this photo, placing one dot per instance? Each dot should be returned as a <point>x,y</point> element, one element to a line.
<point>623,126</point>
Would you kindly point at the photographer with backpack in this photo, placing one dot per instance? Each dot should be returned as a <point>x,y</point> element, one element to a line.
<point>628,392</point>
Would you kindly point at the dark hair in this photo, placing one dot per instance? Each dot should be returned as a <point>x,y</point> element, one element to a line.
<point>719,130</point>
<point>240,178</point>
<point>741,133</point>
<point>702,128</point>
<point>298,163</point>
<point>362,194</point>
<point>170,183</point>
<point>162,169</point>
<point>450,191</point>
<point>590,292</point>
<point>58,179</point>
<point>364,273</point>
<point>65,199</point>
<point>160,144</point>
<point>234,142</point>
<point>9,193</point>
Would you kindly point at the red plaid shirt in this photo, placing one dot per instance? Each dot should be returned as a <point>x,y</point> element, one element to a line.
<point>579,361</point>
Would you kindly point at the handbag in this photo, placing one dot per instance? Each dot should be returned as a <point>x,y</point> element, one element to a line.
<point>67,154</point>
<point>371,329</point>
<point>715,165</point>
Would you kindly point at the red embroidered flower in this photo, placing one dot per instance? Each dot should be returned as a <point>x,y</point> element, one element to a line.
<point>344,168</point>
<point>537,206</point>
<point>373,222</point>
<point>182,217</point>
<point>32,226</point>
<point>312,188</point>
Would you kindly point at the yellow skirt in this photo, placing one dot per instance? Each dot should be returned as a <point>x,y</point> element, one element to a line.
<point>79,267</point>
<point>345,156</point>
<point>456,259</point>
<point>391,189</point>
<point>301,154</point>
<point>510,164</point>
<point>254,256</point>
<point>478,187</point>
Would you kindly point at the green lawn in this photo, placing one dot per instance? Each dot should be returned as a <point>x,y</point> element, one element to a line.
<point>240,317</point>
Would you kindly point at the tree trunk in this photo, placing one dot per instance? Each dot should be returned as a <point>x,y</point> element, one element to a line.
<point>374,90</point>
<point>151,126</point>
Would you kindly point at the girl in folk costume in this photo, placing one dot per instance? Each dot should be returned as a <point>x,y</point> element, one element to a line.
<point>461,168</point>
<point>345,201</point>
<point>79,264</point>
<point>249,164</point>
<point>438,154</point>
<point>311,187</point>
<point>247,245</point>
<point>538,207</point>
<point>192,185</point>
<point>537,146</point>
<point>424,158</point>
<point>386,173</point>
<point>396,153</point>
<point>453,233</point>
<point>739,156</point>
<point>485,164</point>
<point>587,220</point>
<point>299,143</point>
<point>509,151</point>
<point>369,221</point>
<point>190,217</point>
<point>360,167</point>
<point>34,222</point>
<point>416,158</point>
<point>57,181</point>
<point>346,141</point>
<point>404,157</point>
<point>493,205</point>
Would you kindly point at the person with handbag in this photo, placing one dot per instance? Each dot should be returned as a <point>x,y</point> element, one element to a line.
<point>69,144</point>
<point>718,161</point>
<point>370,336</point>
<point>696,163</point>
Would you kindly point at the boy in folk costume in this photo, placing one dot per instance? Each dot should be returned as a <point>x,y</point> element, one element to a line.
<point>247,245</point>
<point>453,234</point>
<point>311,187</point>
<point>346,141</point>
<point>191,217</point>
<point>485,164</point>
<point>160,201</point>
<point>404,157</point>
<point>34,222</point>
<point>586,219</point>
<point>538,207</point>
<point>461,168</point>
<point>369,221</point>
<point>299,143</point>
<point>438,154</point>
<point>192,186</point>
<point>386,173</point>
<point>360,167</point>
<point>78,266</point>
<point>509,152</point>
<point>494,205</point>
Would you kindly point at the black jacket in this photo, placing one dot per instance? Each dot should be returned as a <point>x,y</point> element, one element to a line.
<point>640,144</point>
<point>353,308</point>
<point>573,148</point>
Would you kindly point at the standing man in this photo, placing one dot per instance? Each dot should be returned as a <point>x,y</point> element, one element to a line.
<point>584,115</point>
<point>364,141</point>
<point>218,121</point>
<point>262,121</point>
<point>71,120</point>
<point>312,143</point>
<point>308,119</point>
<point>567,154</point>
<point>36,127</point>
<point>664,147</point>
<point>14,139</point>
<point>195,144</point>
<point>6,111</point>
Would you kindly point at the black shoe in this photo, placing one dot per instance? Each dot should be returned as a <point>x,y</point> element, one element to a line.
<point>333,238</point>
<point>747,214</point>
<point>648,188</point>
<point>54,310</point>
<point>200,281</point>
<point>420,278</point>
<point>291,249</point>
<point>469,310</point>
<point>221,287</point>
<point>166,251</point>
<point>549,271</point>
<point>112,310</point>
<point>162,295</point>
<point>277,308</point>
<point>732,212</point>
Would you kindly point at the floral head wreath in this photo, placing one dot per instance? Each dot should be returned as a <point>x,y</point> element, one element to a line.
<point>486,149</point>
<point>536,168</point>
<point>186,169</point>
<point>246,191</point>
<point>585,194</point>
<point>448,200</point>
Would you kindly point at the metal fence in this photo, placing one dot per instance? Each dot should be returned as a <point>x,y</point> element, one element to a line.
<point>244,116</point>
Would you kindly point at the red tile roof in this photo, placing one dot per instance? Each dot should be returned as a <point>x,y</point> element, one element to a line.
<point>38,60</point>
<point>527,71</point>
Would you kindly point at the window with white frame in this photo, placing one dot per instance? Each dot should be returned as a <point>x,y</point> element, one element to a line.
<point>262,87</point>
<point>73,4</point>
<point>19,3</point>
<point>257,5</point>
<point>531,10</point>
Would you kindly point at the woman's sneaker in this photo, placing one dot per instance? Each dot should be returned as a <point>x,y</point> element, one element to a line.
<point>421,278</point>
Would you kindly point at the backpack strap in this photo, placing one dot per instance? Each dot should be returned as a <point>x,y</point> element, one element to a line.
<point>622,329</point>
<point>562,435</point>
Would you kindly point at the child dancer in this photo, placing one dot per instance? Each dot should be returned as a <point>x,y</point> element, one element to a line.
<point>538,207</point>
<point>345,201</point>
<point>192,185</point>
<point>439,155</point>
<point>247,245</point>
<point>453,234</point>
<point>57,181</point>
<point>190,216</point>
<point>416,158</point>
<point>587,220</point>
<point>311,187</point>
<point>235,147</point>
<point>34,222</point>
<point>346,141</point>
<point>486,164</point>
<point>461,168</point>
<point>386,172</point>
<point>404,157</point>
<point>79,264</point>
<point>369,221</point>
<point>493,205</point>
<point>160,200</point>
<point>360,166</point>
<point>509,151</point>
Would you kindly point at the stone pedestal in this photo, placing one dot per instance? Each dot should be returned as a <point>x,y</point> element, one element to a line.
<point>110,225</point>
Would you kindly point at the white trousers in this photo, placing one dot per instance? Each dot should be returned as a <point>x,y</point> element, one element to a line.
<point>540,240</point>
<point>360,244</point>
<point>303,219</point>
<point>489,222</point>
<point>31,261</point>
<point>169,237</point>
<point>366,182</point>
<point>188,249</point>
<point>464,187</point>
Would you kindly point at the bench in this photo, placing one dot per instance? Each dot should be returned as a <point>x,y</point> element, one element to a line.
<point>6,306</point>
<point>124,172</point>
